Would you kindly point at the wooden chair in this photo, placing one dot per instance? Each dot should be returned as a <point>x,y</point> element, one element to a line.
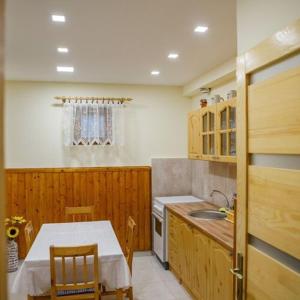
<point>70,286</point>
<point>129,247</point>
<point>29,235</point>
<point>80,213</point>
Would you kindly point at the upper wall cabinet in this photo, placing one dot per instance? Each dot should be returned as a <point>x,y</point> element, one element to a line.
<point>226,130</point>
<point>194,134</point>
<point>208,132</point>
<point>212,132</point>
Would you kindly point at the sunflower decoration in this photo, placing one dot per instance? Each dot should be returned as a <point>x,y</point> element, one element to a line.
<point>12,223</point>
<point>12,232</point>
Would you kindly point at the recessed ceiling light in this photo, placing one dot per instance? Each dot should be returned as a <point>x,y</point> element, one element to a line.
<point>62,50</point>
<point>200,29</point>
<point>173,55</point>
<point>64,69</point>
<point>58,18</point>
<point>155,72</point>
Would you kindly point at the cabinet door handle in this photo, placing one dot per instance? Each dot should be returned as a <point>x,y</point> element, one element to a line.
<point>236,273</point>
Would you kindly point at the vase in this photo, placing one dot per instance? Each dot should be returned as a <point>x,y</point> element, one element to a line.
<point>12,256</point>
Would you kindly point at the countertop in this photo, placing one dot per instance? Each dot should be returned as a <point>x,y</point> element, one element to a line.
<point>221,231</point>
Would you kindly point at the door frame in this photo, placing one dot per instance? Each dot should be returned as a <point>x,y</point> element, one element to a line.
<point>280,45</point>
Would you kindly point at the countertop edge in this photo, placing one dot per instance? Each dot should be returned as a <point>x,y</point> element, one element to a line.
<point>200,228</point>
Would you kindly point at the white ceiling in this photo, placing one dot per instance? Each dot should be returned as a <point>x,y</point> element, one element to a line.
<point>118,41</point>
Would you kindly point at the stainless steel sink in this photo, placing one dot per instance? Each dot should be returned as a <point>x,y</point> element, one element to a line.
<point>208,214</point>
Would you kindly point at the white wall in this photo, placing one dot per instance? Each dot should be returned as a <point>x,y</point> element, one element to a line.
<point>215,77</point>
<point>221,90</point>
<point>259,19</point>
<point>156,125</point>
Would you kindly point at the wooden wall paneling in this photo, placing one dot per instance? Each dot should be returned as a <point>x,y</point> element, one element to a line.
<point>135,203</point>
<point>59,207</point>
<point>274,207</point>
<point>274,106</point>
<point>102,195</point>
<point>148,208</point>
<point>141,208</point>
<point>83,189</point>
<point>108,194</point>
<point>41,195</point>
<point>76,189</point>
<point>268,279</point>
<point>128,193</point>
<point>123,215</point>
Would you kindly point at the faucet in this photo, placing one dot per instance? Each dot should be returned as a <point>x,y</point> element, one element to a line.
<point>228,206</point>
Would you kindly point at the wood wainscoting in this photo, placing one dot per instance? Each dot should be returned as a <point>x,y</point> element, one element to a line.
<point>41,195</point>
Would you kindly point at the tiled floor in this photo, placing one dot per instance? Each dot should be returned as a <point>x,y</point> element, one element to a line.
<point>150,281</point>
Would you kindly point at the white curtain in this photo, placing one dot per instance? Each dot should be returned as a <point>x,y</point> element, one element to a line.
<point>93,123</point>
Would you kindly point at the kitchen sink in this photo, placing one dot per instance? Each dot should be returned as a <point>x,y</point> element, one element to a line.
<point>208,214</point>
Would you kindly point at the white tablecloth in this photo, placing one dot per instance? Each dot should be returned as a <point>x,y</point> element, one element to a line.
<point>34,276</point>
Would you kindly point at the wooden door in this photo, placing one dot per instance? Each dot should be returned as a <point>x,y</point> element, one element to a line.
<point>2,199</point>
<point>208,133</point>
<point>220,280</point>
<point>226,130</point>
<point>194,142</point>
<point>268,169</point>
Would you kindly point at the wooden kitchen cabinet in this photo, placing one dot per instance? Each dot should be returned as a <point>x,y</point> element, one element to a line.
<point>212,132</point>
<point>173,242</point>
<point>220,281</point>
<point>194,142</point>
<point>201,264</point>
<point>208,132</point>
<point>226,131</point>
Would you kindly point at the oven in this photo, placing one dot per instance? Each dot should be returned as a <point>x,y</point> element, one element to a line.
<point>160,225</point>
<point>159,236</point>
<point>159,233</point>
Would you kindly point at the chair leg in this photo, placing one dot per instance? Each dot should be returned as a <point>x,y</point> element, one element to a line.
<point>130,293</point>
<point>119,294</point>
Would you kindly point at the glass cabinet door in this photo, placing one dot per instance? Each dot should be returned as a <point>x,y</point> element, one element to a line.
<point>211,121</point>
<point>204,134</point>
<point>223,120</point>
<point>232,119</point>
<point>208,132</point>
<point>204,122</point>
<point>226,129</point>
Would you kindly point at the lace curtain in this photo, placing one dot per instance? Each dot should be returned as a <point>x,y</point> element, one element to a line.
<point>93,123</point>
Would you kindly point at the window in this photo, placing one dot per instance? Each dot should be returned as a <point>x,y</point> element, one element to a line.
<point>93,123</point>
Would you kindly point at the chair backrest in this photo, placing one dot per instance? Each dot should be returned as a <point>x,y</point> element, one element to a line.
<point>74,279</point>
<point>130,238</point>
<point>79,213</point>
<point>29,235</point>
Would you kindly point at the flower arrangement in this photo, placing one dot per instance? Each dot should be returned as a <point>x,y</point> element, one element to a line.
<point>12,223</point>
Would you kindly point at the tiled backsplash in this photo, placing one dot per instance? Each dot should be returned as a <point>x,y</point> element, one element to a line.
<point>209,175</point>
<point>180,176</point>
<point>171,177</point>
